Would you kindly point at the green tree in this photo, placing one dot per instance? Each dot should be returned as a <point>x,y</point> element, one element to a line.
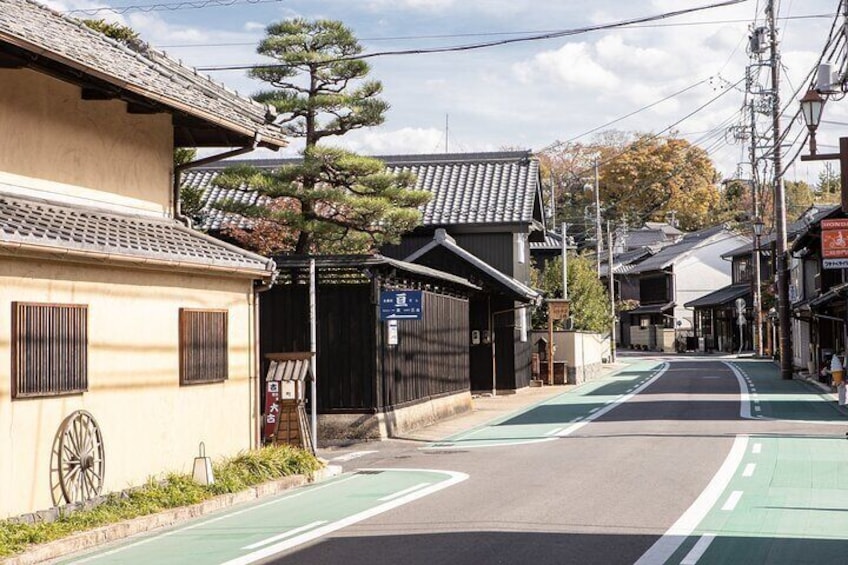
<point>589,301</point>
<point>799,197</point>
<point>829,188</point>
<point>334,200</point>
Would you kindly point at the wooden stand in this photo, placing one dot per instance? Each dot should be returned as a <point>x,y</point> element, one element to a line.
<point>291,425</point>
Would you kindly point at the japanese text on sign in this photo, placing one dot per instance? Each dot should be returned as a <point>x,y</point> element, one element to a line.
<point>400,305</point>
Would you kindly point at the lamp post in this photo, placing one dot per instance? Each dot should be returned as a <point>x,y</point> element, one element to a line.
<point>811,107</point>
<point>757,225</point>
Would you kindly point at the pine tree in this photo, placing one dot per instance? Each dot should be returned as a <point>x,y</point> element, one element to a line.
<point>334,200</point>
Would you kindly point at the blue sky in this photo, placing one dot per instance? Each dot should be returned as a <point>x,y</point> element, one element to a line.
<point>525,95</point>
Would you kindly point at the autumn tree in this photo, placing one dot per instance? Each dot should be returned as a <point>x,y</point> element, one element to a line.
<point>590,306</point>
<point>655,176</point>
<point>334,200</point>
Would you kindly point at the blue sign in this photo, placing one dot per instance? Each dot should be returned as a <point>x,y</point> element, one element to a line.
<point>400,305</point>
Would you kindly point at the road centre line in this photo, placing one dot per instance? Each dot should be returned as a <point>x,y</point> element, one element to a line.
<point>403,492</point>
<point>698,550</point>
<point>285,535</point>
<point>621,400</point>
<point>455,477</point>
<point>674,537</point>
<point>749,470</point>
<point>213,520</point>
<point>732,501</point>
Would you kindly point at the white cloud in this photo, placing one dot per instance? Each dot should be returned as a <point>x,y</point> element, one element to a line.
<point>573,66</point>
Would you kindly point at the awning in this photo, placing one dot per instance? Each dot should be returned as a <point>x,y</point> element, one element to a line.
<point>835,292</point>
<point>652,308</point>
<point>725,296</point>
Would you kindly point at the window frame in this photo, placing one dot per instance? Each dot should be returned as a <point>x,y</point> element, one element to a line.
<point>188,375</point>
<point>33,358</point>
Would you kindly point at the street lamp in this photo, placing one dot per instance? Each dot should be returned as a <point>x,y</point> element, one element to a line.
<point>757,225</point>
<point>811,108</point>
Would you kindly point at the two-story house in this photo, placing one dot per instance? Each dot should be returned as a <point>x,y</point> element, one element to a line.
<point>674,276</point>
<point>126,338</point>
<point>485,210</point>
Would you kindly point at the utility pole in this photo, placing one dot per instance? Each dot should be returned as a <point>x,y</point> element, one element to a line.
<point>758,275</point>
<point>599,236</point>
<point>564,261</point>
<point>781,263</point>
<point>611,291</point>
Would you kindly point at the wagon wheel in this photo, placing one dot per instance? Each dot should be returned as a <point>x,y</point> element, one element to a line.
<point>78,459</point>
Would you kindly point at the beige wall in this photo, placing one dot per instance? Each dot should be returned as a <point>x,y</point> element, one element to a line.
<point>149,423</point>
<point>57,144</point>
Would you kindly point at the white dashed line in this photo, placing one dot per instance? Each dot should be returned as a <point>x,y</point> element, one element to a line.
<point>732,501</point>
<point>757,448</point>
<point>749,469</point>
<point>554,432</point>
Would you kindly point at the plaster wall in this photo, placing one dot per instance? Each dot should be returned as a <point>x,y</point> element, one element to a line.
<point>150,424</point>
<point>90,152</point>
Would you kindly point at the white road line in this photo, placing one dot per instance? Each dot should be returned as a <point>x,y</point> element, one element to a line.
<point>577,419</point>
<point>621,400</point>
<point>455,477</point>
<point>403,492</point>
<point>665,547</point>
<point>699,550</point>
<point>749,470</point>
<point>732,501</point>
<point>553,432</point>
<point>212,520</point>
<point>744,401</point>
<point>757,408</point>
<point>593,410</point>
<point>757,448</point>
<point>285,535</point>
<point>352,455</point>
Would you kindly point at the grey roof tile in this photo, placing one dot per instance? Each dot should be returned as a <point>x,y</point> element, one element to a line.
<point>467,188</point>
<point>41,224</point>
<point>146,72</point>
<point>670,253</point>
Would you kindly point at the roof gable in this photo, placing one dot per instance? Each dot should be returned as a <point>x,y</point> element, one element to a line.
<point>206,114</point>
<point>675,252</point>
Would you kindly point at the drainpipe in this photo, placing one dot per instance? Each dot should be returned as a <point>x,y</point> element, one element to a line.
<point>255,388</point>
<point>178,215</point>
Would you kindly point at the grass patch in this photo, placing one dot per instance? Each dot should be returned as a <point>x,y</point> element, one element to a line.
<point>232,475</point>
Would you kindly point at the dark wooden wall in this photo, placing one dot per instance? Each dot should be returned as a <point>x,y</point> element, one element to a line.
<point>357,372</point>
<point>432,355</point>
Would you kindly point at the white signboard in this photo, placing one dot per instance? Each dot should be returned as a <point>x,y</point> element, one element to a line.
<point>835,263</point>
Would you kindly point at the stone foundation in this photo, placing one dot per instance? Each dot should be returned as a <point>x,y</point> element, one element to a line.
<point>393,422</point>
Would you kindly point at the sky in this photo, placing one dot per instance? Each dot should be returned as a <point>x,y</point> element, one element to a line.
<point>683,74</point>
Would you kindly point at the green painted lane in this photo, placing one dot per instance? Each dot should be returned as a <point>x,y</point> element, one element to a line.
<point>256,531</point>
<point>561,415</point>
<point>771,397</point>
<point>786,503</point>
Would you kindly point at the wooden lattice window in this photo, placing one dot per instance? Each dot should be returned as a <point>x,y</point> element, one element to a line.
<point>49,349</point>
<point>203,346</point>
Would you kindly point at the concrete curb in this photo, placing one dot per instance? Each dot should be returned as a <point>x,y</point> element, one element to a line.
<point>114,532</point>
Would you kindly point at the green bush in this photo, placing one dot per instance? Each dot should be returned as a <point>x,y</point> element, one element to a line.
<point>174,490</point>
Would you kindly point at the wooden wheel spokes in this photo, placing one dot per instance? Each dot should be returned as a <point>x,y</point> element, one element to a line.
<point>79,459</point>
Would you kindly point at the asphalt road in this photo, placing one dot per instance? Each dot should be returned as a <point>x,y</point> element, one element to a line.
<point>686,461</point>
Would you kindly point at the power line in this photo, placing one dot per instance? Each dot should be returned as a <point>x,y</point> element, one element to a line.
<point>487,44</point>
<point>186,5</point>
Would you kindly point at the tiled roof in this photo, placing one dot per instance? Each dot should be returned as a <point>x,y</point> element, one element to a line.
<point>43,225</point>
<point>50,36</point>
<point>467,188</point>
<point>553,242</point>
<point>811,217</point>
<point>474,188</point>
<point>723,296</point>
<point>670,253</point>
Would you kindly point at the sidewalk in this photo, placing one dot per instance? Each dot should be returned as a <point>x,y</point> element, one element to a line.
<point>489,407</point>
